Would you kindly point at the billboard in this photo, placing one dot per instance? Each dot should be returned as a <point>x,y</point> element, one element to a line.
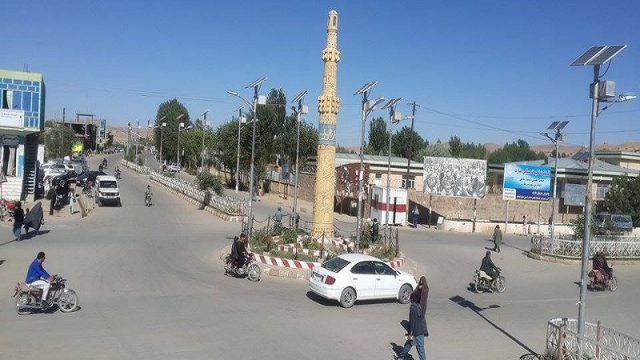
<point>574,194</point>
<point>526,182</point>
<point>455,177</point>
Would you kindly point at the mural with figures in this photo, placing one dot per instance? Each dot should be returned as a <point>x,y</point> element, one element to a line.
<point>455,177</point>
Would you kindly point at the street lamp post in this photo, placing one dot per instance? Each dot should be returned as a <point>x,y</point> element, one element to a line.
<point>204,128</point>
<point>254,107</point>
<point>367,107</point>
<point>162,126</point>
<point>558,136</point>
<point>299,111</point>
<point>394,118</point>
<point>180,125</point>
<point>241,120</point>
<point>595,57</point>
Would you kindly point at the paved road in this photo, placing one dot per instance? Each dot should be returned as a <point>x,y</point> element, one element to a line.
<point>151,287</point>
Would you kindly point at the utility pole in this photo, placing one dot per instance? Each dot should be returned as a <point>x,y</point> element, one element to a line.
<point>204,129</point>
<point>413,117</point>
<point>64,113</point>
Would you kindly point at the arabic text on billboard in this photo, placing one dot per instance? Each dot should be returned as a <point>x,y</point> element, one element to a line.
<point>455,177</point>
<point>526,182</point>
<point>11,118</point>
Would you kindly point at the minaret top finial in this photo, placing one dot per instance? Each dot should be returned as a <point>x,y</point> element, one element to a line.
<point>332,22</point>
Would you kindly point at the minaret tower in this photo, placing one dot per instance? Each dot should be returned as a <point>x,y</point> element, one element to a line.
<point>328,106</point>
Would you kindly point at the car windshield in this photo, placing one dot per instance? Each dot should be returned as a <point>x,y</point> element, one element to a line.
<point>336,264</point>
<point>108,184</point>
<point>621,218</point>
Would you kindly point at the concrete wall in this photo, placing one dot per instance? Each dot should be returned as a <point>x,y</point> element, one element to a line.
<point>487,227</point>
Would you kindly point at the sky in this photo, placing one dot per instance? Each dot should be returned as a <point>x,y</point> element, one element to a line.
<point>486,71</point>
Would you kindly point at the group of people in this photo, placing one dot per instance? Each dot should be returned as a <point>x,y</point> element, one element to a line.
<point>31,219</point>
<point>417,327</point>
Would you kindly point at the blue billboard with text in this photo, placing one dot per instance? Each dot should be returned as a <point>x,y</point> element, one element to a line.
<point>526,182</point>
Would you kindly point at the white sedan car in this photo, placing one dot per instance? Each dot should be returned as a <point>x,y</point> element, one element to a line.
<point>350,277</point>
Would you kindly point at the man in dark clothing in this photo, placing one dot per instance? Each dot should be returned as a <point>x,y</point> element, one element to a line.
<point>375,230</point>
<point>416,330</point>
<point>239,250</point>
<point>489,267</point>
<point>18,219</point>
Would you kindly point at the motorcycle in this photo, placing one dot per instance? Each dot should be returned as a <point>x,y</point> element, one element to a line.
<point>609,283</point>
<point>27,297</point>
<point>249,269</point>
<point>147,199</point>
<point>7,209</point>
<point>482,282</point>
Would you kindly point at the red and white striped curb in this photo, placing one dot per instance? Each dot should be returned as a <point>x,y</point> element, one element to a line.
<point>275,261</point>
<point>308,265</point>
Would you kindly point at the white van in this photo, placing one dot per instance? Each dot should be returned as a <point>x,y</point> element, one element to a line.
<point>107,190</point>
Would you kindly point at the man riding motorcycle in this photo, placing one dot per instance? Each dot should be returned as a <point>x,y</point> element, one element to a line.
<point>601,271</point>
<point>488,269</point>
<point>239,253</point>
<point>38,277</point>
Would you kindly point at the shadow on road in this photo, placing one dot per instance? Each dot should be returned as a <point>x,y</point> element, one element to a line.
<point>333,303</point>
<point>2,261</point>
<point>31,234</point>
<point>478,310</point>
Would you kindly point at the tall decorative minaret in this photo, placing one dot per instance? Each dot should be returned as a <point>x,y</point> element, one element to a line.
<point>328,106</point>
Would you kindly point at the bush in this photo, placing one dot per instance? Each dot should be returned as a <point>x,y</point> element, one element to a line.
<point>207,180</point>
<point>289,236</point>
<point>383,252</point>
<point>261,242</point>
<point>311,244</point>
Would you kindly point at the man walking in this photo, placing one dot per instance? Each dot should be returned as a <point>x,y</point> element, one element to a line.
<point>416,331</point>
<point>525,226</point>
<point>375,230</point>
<point>416,216</point>
<point>497,238</point>
<point>18,219</point>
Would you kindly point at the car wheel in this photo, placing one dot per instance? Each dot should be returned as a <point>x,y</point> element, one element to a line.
<point>348,297</point>
<point>99,203</point>
<point>119,203</point>
<point>404,295</point>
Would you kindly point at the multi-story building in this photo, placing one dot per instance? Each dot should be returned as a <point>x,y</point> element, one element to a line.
<point>22,100</point>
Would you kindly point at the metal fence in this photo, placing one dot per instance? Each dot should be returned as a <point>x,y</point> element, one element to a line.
<point>227,204</point>
<point>623,247</point>
<point>598,343</point>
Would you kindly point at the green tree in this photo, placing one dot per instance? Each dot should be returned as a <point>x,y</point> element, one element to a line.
<point>624,197</point>
<point>58,140</point>
<point>404,138</point>
<point>436,150</point>
<point>516,151</point>
<point>455,146</point>
<point>378,137</point>
<point>343,150</point>
<point>169,111</point>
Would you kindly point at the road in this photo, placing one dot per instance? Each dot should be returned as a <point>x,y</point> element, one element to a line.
<point>151,287</point>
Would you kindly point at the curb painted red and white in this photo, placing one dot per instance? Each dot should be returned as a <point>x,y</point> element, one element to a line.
<point>308,265</point>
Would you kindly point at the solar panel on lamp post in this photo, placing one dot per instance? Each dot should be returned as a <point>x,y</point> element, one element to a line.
<point>367,107</point>
<point>595,56</point>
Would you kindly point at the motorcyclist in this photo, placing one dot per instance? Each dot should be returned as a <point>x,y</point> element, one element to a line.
<point>117,172</point>
<point>38,277</point>
<point>601,271</point>
<point>239,253</point>
<point>489,268</point>
<point>147,195</point>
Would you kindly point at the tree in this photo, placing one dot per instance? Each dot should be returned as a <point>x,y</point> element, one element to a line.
<point>404,138</point>
<point>436,150</point>
<point>455,146</point>
<point>343,150</point>
<point>624,197</point>
<point>58,140</point>
<point>378,137</point>
<point>516,151</point>
<point>169,111</point>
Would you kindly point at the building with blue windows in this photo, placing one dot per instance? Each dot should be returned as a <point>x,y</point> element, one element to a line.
<point>22,99</point>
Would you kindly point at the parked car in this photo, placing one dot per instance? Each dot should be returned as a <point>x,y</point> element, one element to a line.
<point>107,190</point>
<point>53,169</point>
<point>82,179</point>
<point>613,224</point>
<point>173,168</point>
<point>68,177</point>
<point>351,277</point>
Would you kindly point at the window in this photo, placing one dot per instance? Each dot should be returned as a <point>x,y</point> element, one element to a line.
<point>8,159</point>
<point>336,264</point>
<point>17,100</point>
<point>412,181</point>
<point>108,184</point>
<point>362,268</point>
<point>35,103</point>
<point>7,99</point>
<point>383,269</point>
<point>378,180</point>
<point>26,101</point>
